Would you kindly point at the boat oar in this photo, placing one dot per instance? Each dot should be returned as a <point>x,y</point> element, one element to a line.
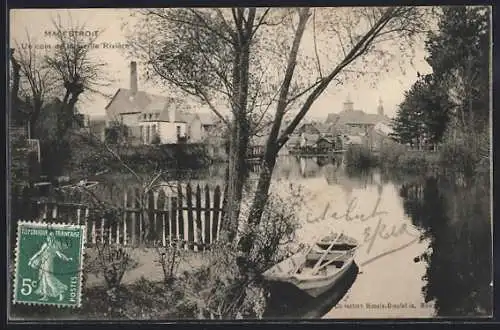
<point>325,254</point>
<point>297,267</point>
<point>331,261</point>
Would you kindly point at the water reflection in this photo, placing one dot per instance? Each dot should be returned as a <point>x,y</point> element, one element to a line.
<point>453,215</point>
<point>456,220</point>
<point>286,301</point>
<point>453,258</point>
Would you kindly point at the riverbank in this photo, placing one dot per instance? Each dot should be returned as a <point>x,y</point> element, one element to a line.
<point>142,295</point>
<point>460,157</point>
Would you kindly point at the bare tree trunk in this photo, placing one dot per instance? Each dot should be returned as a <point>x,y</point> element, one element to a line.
<point>35,114</point>
<point>16,77</point>
<point>236,176</point>
<point>239,128</point>
<point>68,113</point>
<point>272,147</point>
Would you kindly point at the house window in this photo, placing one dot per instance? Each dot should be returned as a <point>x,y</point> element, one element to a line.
<point>150,116</point>
<point>141,129</point>
<point>148,137</point>
<point>178,130</point>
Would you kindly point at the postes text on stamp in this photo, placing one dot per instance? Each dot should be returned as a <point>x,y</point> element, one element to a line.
<point>49,260</point>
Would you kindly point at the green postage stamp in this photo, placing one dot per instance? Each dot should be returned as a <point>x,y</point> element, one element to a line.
<point>49,260</point>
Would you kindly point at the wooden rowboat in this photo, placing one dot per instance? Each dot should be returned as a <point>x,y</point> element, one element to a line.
<point>317,270</point>
<point>341,243</point>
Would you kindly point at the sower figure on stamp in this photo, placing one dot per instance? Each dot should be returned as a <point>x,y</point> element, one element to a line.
<point>43,260</point>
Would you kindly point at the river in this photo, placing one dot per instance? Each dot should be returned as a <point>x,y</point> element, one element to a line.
<point>426,240</point>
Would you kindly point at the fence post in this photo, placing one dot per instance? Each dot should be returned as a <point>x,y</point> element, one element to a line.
<point>155,214</point>
<point>161,206</point>
<point>216,220</point>
<point>93,233</point>
<point>174,220</point>
<point>180,218</point>
<point>85,221</point>
<point>198,223</point>
<point>190,223</point>
<point>45,211</point>
<point>167,222</point>
<point>102,230</point>
<point>142,210</point>
<point>125,201</point>
<point>78,215</point>
<point>133,219</point>
<point>54,212</point>
<point>207,239</point>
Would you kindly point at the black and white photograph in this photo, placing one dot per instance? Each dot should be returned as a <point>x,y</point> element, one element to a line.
<point>250,163</point>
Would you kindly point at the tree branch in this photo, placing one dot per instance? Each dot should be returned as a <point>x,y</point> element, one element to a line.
<point>355,52</point>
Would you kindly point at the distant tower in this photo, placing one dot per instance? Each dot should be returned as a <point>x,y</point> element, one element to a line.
<point>380,108</point>
<point>133,77</point>
<point>348,105</point>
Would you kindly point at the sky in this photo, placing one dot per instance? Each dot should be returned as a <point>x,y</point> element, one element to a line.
<point>364,92</point>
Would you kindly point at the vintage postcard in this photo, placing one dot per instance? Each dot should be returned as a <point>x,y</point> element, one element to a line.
<point>250,163</point>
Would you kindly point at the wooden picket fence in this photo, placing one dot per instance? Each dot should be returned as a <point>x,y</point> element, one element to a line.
<point>191,216</point>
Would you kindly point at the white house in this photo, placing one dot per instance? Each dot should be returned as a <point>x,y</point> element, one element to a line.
<point>161,122</point>
<point>147,116</point>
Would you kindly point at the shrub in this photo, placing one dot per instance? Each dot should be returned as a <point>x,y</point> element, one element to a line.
<point>461,156</point>
<point>359,156</point>
<point>156,139</point>
<point>112,262</point>
<point>226,288</point>
<point>169,258</point>
<point>390,154</point>
<point>276,233</point>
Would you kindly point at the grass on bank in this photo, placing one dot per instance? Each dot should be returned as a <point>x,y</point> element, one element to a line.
<point>460,156</point>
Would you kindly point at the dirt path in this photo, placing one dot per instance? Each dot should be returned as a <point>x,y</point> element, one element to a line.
<point>148,266</point>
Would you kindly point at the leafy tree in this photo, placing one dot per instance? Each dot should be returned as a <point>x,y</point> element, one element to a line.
<point>252,59</point>
<point>116,133</point>
<point>455,97</point>
<point>460,59</point>
<point>405,125</point>
<point>424,114</point>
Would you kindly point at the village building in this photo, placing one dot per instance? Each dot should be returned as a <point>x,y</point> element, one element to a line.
<point>359,127</point>
<point>156,119</point>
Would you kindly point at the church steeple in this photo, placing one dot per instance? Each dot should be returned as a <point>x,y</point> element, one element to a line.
<point>380,108</point>
<point>348,105</point>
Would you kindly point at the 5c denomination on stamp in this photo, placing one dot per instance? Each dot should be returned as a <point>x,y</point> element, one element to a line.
<point>49,260</point>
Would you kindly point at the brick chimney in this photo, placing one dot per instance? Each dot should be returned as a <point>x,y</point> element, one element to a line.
<point>133,77</point>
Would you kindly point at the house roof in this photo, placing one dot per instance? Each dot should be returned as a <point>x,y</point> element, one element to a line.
<point>325,128</point>
<point>158,106</point>
<point>383,128</point>
<point>355,117</point>
<point>324,138</point>
<point>258,140</point>
<point>134,103</point>
<point>354,139</point>
<point>310,139</point>
<point>332,117</point>
<point>206,118</point>
<point>160,110</point>
<point>309,128</point>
